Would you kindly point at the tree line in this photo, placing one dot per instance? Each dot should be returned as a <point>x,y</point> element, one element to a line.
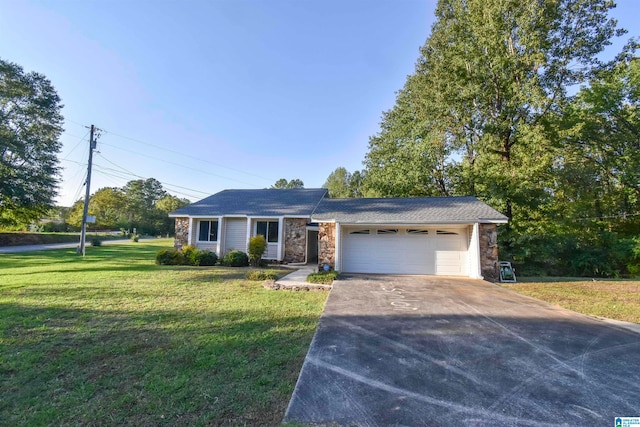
<point>510,103</point>
<point>141,205</point>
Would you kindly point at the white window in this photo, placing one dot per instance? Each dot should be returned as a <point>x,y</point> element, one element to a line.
<point>359,232</point>
<point>388,231</point>
<point>269,229</point>
<point>208,231</point>
<point>417,231</point>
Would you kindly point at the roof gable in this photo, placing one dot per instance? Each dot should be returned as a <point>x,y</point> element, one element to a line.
<point>417,210</point>
<point>263,202</point>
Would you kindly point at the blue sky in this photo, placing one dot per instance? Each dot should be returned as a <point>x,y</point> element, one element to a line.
<point>208,95</point>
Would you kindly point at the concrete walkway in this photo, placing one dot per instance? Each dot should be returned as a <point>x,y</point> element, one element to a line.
<point>298,279</point>
<point>441,351</point>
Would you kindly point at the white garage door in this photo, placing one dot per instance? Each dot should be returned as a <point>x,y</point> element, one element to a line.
<point>404,250</point>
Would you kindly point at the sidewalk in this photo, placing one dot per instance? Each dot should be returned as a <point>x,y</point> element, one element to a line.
<point>298,280</point>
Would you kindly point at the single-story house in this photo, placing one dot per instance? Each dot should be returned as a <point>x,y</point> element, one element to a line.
<point>453,236</point>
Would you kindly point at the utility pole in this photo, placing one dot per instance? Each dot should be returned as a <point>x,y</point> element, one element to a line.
<point>83,233</point>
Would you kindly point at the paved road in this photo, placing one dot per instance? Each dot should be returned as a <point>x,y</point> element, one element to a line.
<point>427,351</point>
<point>31,248</point>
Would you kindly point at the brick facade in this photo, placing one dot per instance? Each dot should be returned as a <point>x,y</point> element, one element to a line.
<point>327,244</point>
<point>295,240</point>
<point>182,233</point>
<point>489,252</point>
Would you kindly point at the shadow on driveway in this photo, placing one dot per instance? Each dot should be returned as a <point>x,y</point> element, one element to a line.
<point>433,351</point>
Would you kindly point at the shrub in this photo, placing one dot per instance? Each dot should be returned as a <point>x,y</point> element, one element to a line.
<point>257,246</point>
<point>262,275</point>
<point>204,258</point>
<point>323,277</point>
<point>135,238</point>
<point>189,253</point>
<point>170,257</point>
<point>96,242</point>
<point>235,259</point>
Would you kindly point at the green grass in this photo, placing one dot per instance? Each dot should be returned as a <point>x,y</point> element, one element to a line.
<point>323,277</point>
<point>614,299</point>
<point>113,339</point>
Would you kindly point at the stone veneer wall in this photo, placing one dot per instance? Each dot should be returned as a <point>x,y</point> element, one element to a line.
<point>295,239</point>
<point>327,244</point>
<point>182,233</point>
<point>489,252</point>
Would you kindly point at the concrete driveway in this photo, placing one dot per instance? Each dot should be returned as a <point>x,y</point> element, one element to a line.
<point>433,351</point>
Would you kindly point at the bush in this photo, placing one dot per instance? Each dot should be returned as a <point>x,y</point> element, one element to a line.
<point>170,257</point>
<point>96,242</point>
<point>135,238</point>
<point>189,253</point>
<point>323,277</point>
<point>262,275</point>
<point>257,246</point>
<point>235,259</point>
<point>204,258</point>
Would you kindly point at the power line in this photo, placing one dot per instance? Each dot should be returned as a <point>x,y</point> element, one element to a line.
<point>76,146</point>
<point>120,177</point>
<point>180,165</point>
<point>188,156</point>
<point>142,177</point>
<point>208,162</point>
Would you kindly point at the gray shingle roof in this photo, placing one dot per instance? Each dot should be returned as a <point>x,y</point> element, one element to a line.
<point>264,202</point>
<point>418,210</point>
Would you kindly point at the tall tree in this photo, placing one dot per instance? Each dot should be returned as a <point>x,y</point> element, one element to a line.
<point>472,117</point>
<point>342,184</point>
<point>166,205</point>
<point>600,141</point>
<point>30,128</point>
<point>338,183</point>
<point>107,205</point>
<point>141,196</point>
<point>283,183</point>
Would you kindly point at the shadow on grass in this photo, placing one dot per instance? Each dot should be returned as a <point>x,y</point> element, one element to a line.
<point>76,366</point>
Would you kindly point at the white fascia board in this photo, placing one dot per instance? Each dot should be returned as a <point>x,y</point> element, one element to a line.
<point>330,221</point>
<point>493,221</point>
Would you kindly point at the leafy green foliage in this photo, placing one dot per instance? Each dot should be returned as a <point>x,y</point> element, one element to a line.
<point>170,257</point>
<point>140,204</point>
<point>188,255</point>
<point>235,258</point>
<point>257,246</point>
<point>257,275</point>
<point>204,258</point>
<point>283,183</point>
<point>30,128</point>
<point>343,184</point>
<point>487,113</point>
<point>96,241</point>
<point>323,277</point>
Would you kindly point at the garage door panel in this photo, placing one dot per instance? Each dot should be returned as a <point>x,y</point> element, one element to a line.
<point>451,254</point>
<point>386,253</point>
<point>418,251</point>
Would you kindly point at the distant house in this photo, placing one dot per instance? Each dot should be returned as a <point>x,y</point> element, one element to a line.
<point>453,236</point>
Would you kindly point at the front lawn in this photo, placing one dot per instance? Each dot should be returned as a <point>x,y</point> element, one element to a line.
<point>113,339</point>
<point>614,299</point>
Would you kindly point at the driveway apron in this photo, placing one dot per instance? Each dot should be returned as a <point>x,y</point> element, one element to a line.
<point>433,351</point>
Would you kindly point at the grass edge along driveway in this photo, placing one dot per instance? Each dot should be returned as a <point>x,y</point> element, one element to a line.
<point>113,339</point>
<point>612,299</point>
